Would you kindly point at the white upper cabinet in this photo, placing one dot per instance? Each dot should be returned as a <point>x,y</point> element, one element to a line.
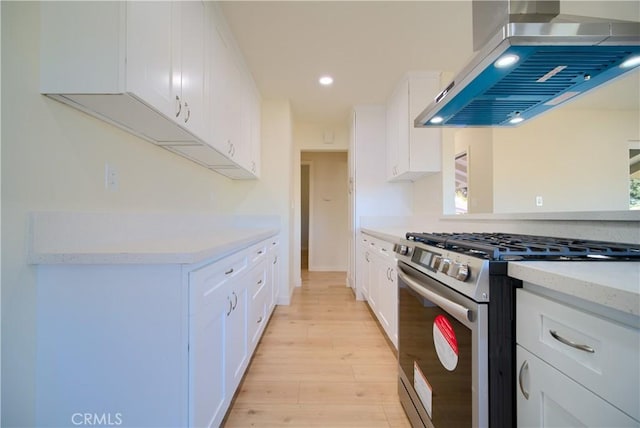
<point>149,56</point>
<point>412,152</point>
<point>191,108</point>
<point>160,70</point>
<point>233,99</point>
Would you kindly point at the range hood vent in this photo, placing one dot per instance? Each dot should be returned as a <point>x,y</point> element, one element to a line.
<point>555,62</point>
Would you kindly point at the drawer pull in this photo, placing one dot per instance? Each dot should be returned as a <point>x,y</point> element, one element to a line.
<point>229,272</point>
<point>585,348</point>
<point>524,367</point>
<point>259,252</point>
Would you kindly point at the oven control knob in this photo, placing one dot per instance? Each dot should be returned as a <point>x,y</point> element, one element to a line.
<point>462,272</point>
<point>444,265</point>
<point>435,263</point>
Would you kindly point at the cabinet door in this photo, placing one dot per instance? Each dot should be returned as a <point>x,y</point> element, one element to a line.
<point>403,119</point>
<point>219,87</point>
<point>151,57</point>
<point>548,398</point>
<point>393,134</point>
<point>192,67</point>
<point>388,298</point>
<point>362,273</point>
<point>255,126</point>
<point>258,295</point>
<point>275,272</point>
<point>236,349</point>
<point>376,272</point>
<point>210,307</point>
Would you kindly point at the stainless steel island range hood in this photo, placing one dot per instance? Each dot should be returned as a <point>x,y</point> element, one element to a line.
<point>530,59</point>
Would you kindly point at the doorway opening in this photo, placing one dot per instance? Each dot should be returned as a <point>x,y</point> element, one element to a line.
<point>305,168</point>
<point>324,211</point>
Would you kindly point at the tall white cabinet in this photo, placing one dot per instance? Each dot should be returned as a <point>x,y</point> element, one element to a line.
<point>369,192</point>
<point>168,72</point>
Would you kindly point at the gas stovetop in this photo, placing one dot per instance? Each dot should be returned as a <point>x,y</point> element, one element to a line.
<point>511,247</point>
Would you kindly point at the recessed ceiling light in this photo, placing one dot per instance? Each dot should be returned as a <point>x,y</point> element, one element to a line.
<point>326,80</point>
<point>436,119</point>
<point>631,62</point>
<point>516,119</point>
<point>506,60</point>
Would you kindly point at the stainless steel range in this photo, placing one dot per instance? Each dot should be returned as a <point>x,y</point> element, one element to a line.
<point>456,321</point>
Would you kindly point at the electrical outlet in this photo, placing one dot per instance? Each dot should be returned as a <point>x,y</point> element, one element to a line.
<point>111,179</point>
<point>539,201</point>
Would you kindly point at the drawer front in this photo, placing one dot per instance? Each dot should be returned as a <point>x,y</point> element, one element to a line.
<point>258,302</point>
<point>258,252</point>
<point>600,354</point>
<point>258,280</point>
<point>548,398</point>
<point>206,283</point>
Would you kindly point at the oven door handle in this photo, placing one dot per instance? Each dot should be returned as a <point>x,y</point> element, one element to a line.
<point>455,309</point>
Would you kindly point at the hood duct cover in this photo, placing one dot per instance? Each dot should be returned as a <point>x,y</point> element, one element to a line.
<point>557,61</point>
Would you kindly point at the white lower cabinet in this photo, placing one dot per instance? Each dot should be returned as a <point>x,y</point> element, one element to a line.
<point>148,345</point>
<point>554,400</point>
<point>381,283</point>
<point>363,261</point>
<point>274,270</point>
<point>258,293</point>
<point>575,368</point>
<point>217,322</point>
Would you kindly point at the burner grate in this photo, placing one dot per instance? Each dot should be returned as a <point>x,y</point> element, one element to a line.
<point>501,246</point>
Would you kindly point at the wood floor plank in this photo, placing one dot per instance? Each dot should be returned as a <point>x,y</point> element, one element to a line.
<point>312,415</point>
<point>323,361</point>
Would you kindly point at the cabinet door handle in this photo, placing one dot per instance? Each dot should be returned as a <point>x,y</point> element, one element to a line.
<point>230,306</point>
<point>259,320</point>
<point>235,302</point>
<point>186,119</point>
<point>259,282</point>
<point>585,348</point>
<point>179,106</point>
<point>275,260</point>
<point>523,368</point>
<point>229,272</point>
<point>259,252</point>
<point>366,257</point>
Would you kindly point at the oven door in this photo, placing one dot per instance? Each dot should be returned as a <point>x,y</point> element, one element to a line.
<point>442,353</point>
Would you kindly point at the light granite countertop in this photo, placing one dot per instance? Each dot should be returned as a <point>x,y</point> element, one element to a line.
<point>615,285</point>
<point>161,251</point>
<point>386,234</point>
<point>141,238</point>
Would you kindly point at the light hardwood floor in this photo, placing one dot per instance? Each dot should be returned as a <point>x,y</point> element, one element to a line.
<point>322,362</point>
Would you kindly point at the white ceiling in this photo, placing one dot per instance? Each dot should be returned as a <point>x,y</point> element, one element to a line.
<point>366,46</point>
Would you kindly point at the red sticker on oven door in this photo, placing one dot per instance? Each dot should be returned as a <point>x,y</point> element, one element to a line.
<point>444,339</point>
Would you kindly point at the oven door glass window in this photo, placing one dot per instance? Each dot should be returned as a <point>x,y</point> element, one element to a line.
<point>435,354</point>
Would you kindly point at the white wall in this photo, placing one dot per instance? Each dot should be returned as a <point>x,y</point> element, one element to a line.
<point>577,161</point>
<point>53,159</point>
<point>328,205</point>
